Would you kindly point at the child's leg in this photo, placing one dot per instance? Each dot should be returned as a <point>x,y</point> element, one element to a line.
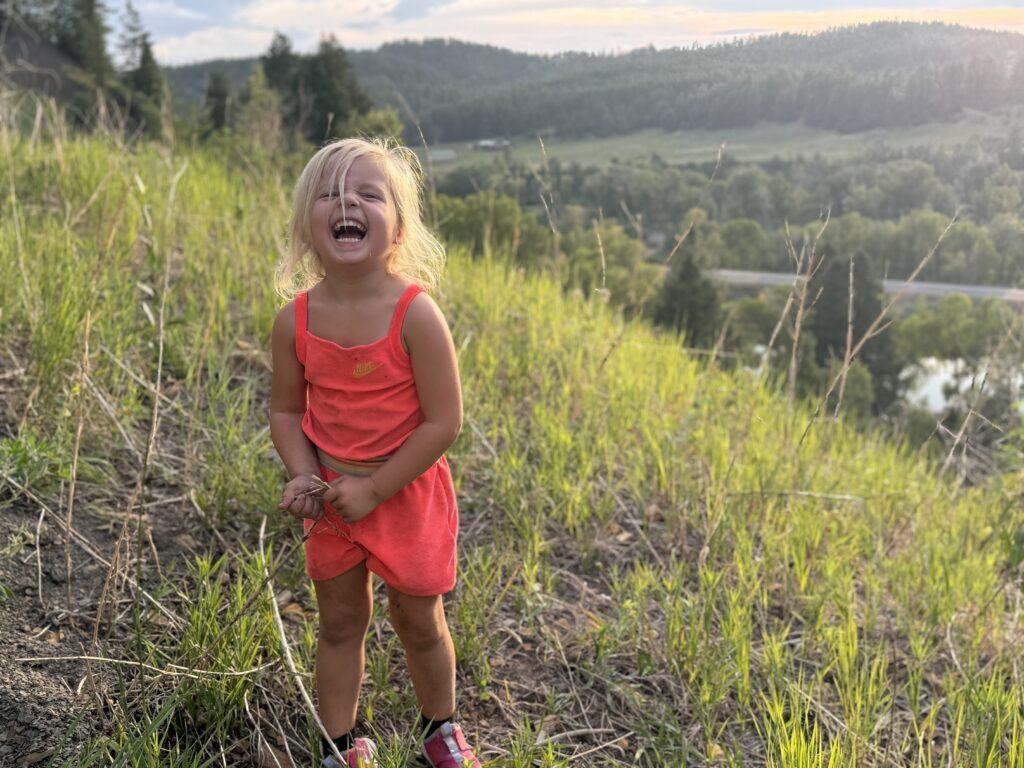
<point>345,604</point>
<point>421,626</point>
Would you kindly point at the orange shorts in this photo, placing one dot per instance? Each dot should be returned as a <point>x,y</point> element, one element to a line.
<point>408,540</point>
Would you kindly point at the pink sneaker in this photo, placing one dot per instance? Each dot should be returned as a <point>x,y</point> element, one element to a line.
<point>360,756</point>
<point>447,748</point>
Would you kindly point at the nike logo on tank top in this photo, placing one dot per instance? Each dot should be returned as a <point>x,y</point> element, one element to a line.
<point>361,401</point>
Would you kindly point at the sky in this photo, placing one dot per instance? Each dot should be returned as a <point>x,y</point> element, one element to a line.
<point>186,31</point>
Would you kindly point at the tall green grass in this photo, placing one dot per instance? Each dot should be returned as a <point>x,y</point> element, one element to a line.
<point>650,557</point>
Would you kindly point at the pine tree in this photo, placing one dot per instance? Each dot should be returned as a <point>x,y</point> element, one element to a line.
<point>131,39</point>
<point>147,79</point>
<point>333,95</point>
<point>82,34</point>
<point>217,102</point>
<point>280,64</point>
<point>689,301</point>
<point>281,69</point>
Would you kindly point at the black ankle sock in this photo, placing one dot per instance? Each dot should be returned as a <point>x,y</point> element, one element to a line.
<point>343,742</point>
<point>428,726</point>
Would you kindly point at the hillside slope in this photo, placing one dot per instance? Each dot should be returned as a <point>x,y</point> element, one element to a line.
<point>653,570</point>
<point>848,79</point>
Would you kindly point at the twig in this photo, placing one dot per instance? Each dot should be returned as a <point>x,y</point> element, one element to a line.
<point>635,221</point>
<point>280,730</point>
<point>552,216</point>
<point>720,341</point>
<point>581,732</point>
<point>113,572</point>
<point>149,387</point>
<point>83,372</point>
<point>288,651</point>
<point>178,671</point>
<point>89,549</point>
<point>261,740</point>
<point>974,409</point>
<point>849,342</point>
<point>39,560</point>
<point>614,344</point>
<point>875,328</point>
<point>483,439</point>
<point>607,744</point>
<point>680,240</point>
<point>70,225</point>
<point>810,264</point>
<point>603,290</point>
<point>109,410</point>
<point>689,228</point>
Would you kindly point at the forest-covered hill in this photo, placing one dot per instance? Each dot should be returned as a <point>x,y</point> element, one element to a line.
<point>847,79</point>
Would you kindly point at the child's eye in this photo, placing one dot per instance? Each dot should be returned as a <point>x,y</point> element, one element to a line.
<point>372,196</point>
<point>328,195</point>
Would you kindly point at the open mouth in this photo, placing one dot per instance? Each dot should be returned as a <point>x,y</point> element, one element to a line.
<point>348,231</point>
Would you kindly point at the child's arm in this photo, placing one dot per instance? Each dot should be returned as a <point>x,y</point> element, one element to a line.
<point>436,373</point>
<point>287,406</point>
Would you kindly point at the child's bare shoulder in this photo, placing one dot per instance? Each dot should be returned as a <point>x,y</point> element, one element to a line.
<point>284,322</point>
<point>424,322</point>
<point>423,310</point>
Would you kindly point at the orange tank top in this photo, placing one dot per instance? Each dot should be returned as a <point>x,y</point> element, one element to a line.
<point>361,402</point>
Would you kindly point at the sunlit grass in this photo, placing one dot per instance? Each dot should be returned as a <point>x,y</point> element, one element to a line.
<point>648,558</point>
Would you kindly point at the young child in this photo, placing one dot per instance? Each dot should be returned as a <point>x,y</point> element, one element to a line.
<point>366,396</point>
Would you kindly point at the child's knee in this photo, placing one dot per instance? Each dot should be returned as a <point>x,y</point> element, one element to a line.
<point>418,623</point>
<point>344,624</point>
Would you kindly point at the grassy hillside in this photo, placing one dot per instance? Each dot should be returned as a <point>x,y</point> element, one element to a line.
<point>653,570</point>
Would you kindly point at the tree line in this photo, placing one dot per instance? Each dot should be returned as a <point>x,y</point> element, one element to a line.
<point>311,97</point>
<point>890,203</point>
<point>290,97</point>
<point>849,79</point>
<point>594,226</point>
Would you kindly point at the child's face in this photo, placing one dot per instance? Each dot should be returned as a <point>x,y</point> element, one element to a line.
<point>368,230</point>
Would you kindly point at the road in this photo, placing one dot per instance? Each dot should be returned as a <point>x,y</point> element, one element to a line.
<point>917,288</point>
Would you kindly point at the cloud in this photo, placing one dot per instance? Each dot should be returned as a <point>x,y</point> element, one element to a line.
<point>228,42</point>
<point>542,26</point>
<point>415,9</point>
<point>169,10</point>
<point>309,15</point>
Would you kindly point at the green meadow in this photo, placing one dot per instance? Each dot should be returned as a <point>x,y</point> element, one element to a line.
<point>758,144</point>
<point>655,569</point>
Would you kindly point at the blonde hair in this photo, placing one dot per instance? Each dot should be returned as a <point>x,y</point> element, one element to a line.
<point>419,257</point>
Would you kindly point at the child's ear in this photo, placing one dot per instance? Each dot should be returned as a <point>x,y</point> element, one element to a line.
<point>399,236</point>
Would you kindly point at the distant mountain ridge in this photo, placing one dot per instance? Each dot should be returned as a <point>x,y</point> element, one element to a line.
<point>847,79</point>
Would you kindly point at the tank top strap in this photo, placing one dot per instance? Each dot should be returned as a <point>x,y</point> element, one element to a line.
<point>395,331</point>
<point>301,318</point>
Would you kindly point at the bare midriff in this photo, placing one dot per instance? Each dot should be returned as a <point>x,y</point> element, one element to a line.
<point>349,467</point>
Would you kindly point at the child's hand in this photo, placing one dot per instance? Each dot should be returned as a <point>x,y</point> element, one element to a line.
<point>352,497</point>
<point>301,497</point>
